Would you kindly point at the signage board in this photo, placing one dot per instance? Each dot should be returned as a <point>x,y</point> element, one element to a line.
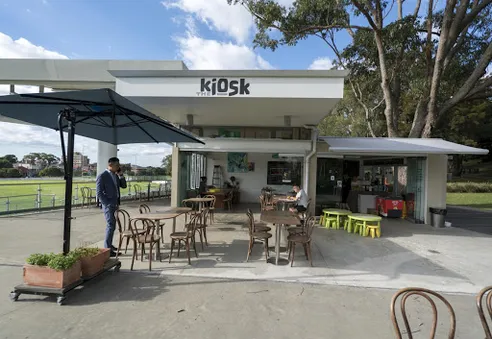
<point>212,87</point>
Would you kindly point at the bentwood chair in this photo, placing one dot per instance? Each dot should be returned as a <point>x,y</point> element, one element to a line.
<point>485,295</point>
<point>409,293</point>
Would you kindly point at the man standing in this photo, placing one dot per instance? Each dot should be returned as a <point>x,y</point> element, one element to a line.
<point>108,185</point>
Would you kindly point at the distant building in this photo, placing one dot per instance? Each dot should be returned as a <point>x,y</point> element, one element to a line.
<point>80,161</point>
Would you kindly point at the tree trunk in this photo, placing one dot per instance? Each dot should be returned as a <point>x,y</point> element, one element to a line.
<point>438,69</point>
<point>457,165</point>
<point>385,86</point>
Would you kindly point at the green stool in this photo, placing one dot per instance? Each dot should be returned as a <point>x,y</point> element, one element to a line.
<point>327,220</point>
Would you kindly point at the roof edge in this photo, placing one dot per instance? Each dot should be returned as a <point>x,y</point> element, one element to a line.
<point>230,73</point>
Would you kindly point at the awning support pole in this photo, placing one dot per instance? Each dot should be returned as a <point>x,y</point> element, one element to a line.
<point>69,116</point>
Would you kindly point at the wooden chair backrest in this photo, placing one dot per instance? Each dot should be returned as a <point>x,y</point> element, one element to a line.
<point>485,295</point>
<point>405,294</point>
<point>144,208</point>
<point>122,219</point>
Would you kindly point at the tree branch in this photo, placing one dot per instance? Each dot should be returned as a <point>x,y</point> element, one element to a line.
<point>472,80</point>
<point>364,12</point>
<point>474,12</point>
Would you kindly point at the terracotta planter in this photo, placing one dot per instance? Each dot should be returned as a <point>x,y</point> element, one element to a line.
<point>48,277</point>
<point>94,264</point>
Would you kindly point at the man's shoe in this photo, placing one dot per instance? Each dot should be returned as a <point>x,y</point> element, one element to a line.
<point>113,254</point>
<point>114,249</point>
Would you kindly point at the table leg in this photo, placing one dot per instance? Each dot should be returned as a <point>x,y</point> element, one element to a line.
<point>277,260</point>
<point>174,225</point>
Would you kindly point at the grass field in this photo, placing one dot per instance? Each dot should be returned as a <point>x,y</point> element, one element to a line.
<point>23,193</point>
<point>475,200</point>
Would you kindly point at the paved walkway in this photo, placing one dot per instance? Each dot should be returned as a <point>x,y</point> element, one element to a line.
<point>471,219</point>
<point>449,259</point>
<point>127,305</point>
<point>220,295</point>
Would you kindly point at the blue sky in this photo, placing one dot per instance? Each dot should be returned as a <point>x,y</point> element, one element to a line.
<point>205,34</point>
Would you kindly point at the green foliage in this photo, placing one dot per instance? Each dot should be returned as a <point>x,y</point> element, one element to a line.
<point>62,262</point>
<point>83,252</point>
<point>43,159</point>
<point>11,158</point>
<point>51,172</point>
<point>10,173</point>
<point>470,187</point>
<point>4,163</point>
<point>407,55</point>
<point>57,262</point>
<point>167,164</point>
<point>39,259</point>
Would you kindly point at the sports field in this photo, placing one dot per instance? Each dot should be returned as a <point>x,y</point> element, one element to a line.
<point>23,194</point>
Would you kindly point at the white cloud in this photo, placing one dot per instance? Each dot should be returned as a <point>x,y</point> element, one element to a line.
<point>200,53</point>
<point>235,21</point>
<point>321,63</point>
<point>22,48</point>
<point>23,139</point>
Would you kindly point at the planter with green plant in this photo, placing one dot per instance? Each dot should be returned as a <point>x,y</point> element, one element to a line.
<point>51,270</point>
<point>92,259</point>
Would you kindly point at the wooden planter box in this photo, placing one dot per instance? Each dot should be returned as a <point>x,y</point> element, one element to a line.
<point>48,277</point>
<point>95,264</point>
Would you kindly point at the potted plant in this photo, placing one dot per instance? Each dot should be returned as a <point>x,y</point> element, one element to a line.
<point>51,270</point>
<point>92,259</point>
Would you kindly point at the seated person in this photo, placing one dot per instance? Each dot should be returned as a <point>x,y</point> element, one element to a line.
<point>301,200</point>
<point>202,189</point>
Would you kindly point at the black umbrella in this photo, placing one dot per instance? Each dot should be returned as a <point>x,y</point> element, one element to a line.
<point>100,114</point>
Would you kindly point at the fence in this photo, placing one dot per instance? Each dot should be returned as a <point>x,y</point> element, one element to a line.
<point>17,197</point>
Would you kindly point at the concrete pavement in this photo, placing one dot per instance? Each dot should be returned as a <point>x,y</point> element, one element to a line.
<point>346,294</point>
<point>126,305</point>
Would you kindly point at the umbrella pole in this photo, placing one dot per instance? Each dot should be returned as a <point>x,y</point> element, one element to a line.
<point>69,116</point>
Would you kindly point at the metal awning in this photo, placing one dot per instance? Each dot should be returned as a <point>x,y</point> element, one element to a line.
<point>397,146</point>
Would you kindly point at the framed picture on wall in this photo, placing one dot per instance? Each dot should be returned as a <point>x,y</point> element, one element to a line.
<point>237,162</point>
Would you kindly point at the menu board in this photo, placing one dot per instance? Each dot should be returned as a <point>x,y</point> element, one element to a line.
<point>284,172</point>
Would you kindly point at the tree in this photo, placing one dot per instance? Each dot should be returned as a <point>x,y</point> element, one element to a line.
<point>448,48</point>
<point>51,172</point>
<point>42,159</point>
<point>4,163</point>
<point>11,158</point>
<point>167,164</point>
<point>10,173</point>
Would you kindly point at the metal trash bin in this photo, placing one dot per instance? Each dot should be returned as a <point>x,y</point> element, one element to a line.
<point>437,216</point>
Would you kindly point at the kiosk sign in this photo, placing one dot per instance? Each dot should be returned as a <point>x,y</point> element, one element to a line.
<point>223,87</point>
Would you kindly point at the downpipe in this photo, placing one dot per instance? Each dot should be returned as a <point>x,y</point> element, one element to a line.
<point>307,159</point>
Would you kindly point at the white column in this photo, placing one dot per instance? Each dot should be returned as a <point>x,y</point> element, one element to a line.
<point>175,185</point>
<point>435,183</point>
<point>104,152</point>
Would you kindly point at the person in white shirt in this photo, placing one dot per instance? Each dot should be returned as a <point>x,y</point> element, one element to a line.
<point>301,200</point>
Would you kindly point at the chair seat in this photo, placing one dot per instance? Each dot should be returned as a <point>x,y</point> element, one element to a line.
<point>129,233</point>
<point>295,230</point>
<point>179,235</point>
<point>300,238</point>
<point>262,228</point>
<point>148,238</point>
<point>262,235</point>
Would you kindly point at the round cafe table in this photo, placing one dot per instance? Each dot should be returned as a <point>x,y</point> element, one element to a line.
<point>364,218</point>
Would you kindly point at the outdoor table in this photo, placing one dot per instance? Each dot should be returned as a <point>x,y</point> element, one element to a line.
<point>200,201</point>
<point>284,200</point>
<point>336,212</point>
<point>279,219</point>
<point>365,218</point>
